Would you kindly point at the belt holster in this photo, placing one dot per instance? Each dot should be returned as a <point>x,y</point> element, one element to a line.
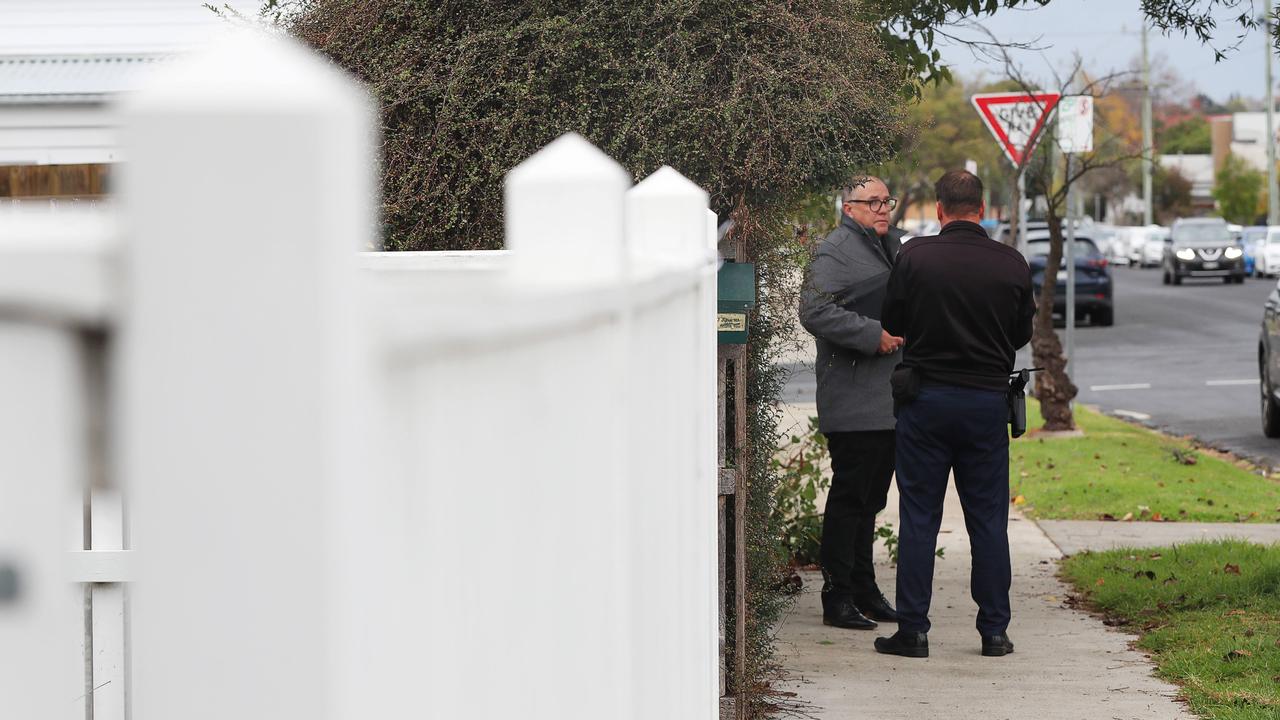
<point>905,385</point>
<point>1016,397</point>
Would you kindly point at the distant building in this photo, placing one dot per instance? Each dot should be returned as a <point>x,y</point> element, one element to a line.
<point>61,64</point>
<point>1241,134</point>
<point>1200,171</point>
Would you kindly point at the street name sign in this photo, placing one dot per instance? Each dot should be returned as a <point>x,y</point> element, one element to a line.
<point>1075,124</point>
<point>1016,120</point>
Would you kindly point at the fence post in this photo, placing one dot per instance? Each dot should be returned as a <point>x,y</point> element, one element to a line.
<point>564,215</point>
<point>248,191</point>
<point>673,479</point>
<point>42,468</point>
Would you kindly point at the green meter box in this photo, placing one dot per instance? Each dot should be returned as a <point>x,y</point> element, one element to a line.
<point>736,295</point>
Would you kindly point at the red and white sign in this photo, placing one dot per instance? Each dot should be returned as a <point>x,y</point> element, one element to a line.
<point>1016,120</point>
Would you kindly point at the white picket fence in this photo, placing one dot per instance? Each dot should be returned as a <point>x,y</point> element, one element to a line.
<point>309,482</point>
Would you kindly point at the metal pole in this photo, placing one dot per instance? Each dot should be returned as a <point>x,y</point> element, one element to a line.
<point>1148,146</point>
<point>1022,216</point>
<point>1273,198</point>
<point>1071,266</point>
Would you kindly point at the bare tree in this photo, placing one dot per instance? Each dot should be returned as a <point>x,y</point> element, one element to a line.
<point>1054,388</point>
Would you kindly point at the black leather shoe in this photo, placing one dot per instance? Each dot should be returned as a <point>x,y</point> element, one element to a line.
<point>996,645</point>
<point>842,613</point>
<point>877,607</point>
<point>906,644</point>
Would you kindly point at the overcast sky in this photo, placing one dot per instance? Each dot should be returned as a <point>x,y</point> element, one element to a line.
<point>1107,33</point>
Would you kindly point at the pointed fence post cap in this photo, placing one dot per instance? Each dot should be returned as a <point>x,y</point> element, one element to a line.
<point>564,214</point>
<point>247,69</point>
<point>666,217</point>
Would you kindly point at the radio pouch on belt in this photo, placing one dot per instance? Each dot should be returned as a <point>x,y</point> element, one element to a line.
<point>1017,399</point>
<point>905,384</point>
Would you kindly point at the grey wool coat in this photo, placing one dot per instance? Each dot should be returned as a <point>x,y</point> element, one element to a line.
<point>840,302</point>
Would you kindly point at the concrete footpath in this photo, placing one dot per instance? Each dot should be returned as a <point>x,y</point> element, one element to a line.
<point>1073,536</point>
<point>1066,666</point>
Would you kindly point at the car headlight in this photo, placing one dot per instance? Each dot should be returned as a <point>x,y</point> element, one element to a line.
<point>1186,254</point>
<point>1233,252</point>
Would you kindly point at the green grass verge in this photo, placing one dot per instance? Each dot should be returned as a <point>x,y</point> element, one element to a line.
<point>1209,613</point>
<point>1118,469</point>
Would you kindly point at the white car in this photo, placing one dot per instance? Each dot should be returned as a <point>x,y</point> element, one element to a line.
<point>1266,258</point>
<point>1153,248</point>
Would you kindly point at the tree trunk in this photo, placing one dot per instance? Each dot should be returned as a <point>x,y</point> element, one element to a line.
<point>1054,388</point>
<point>904,201</point>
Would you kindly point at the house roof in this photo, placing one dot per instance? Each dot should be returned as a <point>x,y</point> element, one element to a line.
<point>69,78</point>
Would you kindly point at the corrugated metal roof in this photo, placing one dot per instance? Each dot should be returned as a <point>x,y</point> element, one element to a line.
<point>69,78</point>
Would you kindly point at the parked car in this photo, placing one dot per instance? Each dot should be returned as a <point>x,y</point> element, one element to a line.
<point>1202,248</point>
<point>1269,364</point>
<point>1253,241</point>
<point>1093,277</point>
<point>1119,252</point>
<point>1266,260</point>
<point>1153,248</point>
<point>1105,237</point>
<point>1002,232</point>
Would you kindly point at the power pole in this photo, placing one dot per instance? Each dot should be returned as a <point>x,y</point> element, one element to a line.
<point>1273,198</point>
<point>1148,146</point>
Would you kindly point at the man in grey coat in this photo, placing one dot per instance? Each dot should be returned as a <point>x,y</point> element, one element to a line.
<point>840,305</point>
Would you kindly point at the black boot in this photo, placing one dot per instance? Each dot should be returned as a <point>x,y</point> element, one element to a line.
<point>904,643</point>
<point>840,611</point>
<point>996,645</point>
<point>875,606</point>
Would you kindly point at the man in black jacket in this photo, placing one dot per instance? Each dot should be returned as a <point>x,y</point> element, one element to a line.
<point>964,305</point>
<point>840,304</point>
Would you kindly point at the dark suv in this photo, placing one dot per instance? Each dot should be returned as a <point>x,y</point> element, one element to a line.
<point>1202,248</point>
<point>1093,277</point>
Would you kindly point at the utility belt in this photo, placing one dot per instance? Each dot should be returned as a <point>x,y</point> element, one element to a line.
<point>905,383</point>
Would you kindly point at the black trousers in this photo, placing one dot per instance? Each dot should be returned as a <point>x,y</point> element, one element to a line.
<point>861,468</point>
<point>966,430</point>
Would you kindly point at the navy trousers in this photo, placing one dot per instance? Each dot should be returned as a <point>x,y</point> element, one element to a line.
<point>962,429</point>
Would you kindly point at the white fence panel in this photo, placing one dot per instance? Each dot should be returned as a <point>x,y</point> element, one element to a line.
<point>453,485</point>
<point>53,293</point>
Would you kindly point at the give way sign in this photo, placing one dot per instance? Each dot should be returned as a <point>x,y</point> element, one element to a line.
<point>1016,120</point>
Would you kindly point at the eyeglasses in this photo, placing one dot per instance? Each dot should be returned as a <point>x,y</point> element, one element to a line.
<point>876,204</point>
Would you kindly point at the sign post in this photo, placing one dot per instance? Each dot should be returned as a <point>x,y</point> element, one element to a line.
<point>1075,136</point>
<point>1016,120</point>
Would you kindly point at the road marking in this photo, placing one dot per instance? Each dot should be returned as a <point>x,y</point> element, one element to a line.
<point>1215,383</point>
<point>1130,386</point>
<point>1132,414</point>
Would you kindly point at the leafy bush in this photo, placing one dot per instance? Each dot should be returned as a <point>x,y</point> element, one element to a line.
<point>802,477</point>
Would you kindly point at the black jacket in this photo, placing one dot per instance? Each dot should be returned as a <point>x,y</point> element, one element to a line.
<point>964,305</point>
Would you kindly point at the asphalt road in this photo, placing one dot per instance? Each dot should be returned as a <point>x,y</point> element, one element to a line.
<point>1181,358</point>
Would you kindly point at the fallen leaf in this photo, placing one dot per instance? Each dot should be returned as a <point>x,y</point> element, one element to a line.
<point>1050,598</point>
<point>1106,516</point>
<point>1170,580</point>
<point>1234,612</point>
<point>1157,517</point>
<point>1024,474</point>
<point>1155,556</point>
<point>1248,632</point>
<point>1236,655</point>
<point>1097,456</point>
<point>1231,569</point>
<point>1160,484</point>
<point>1019,500</point>
<point>1145,573</point>
<point>1101,581</point>
<point>1127,517</point>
